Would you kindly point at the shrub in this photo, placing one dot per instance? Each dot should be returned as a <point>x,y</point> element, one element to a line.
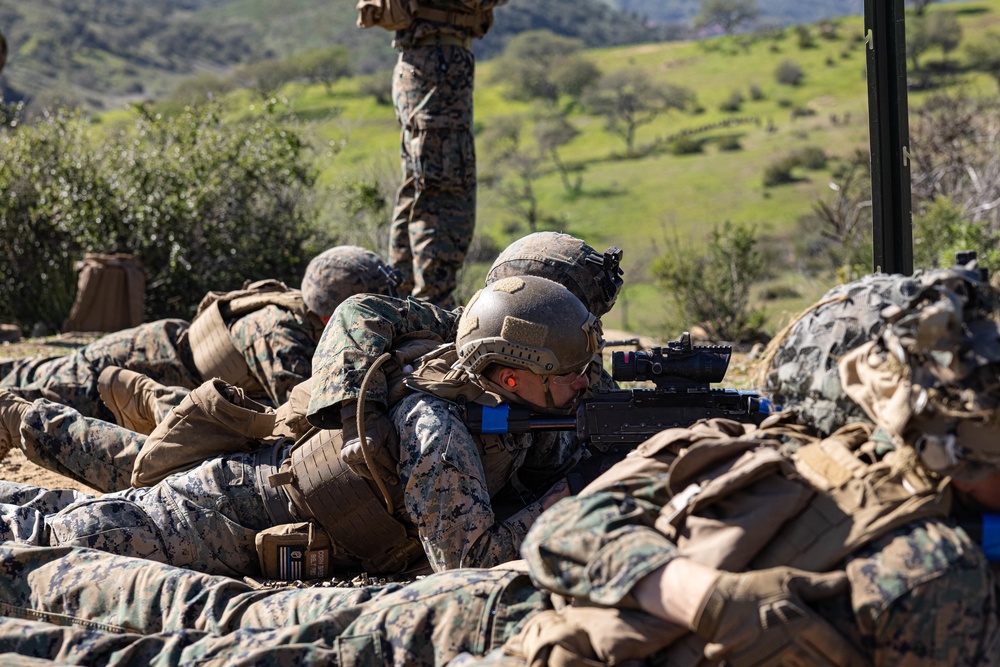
<point>204,203</point>
<point>779,172</point>
<point>685,146</point>
<point>730,142</point>
<point>377,85</point>
<point>810,157</point>
<point>805,37</point>
<point>712,288</point>
<point>942,230</point>
<point>756,94</point>
<point>788,73</point>
<point>732,103</point>
<point>802,112</point>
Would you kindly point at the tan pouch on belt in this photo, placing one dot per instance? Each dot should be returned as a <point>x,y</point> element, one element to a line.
<point>294,551</point>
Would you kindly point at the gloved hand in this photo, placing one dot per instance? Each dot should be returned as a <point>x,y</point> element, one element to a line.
<point>383,445</point>
<point>764,618</point>
<point>290,417</point>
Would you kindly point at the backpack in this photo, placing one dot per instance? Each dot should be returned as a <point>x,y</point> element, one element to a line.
<point>400,14</point>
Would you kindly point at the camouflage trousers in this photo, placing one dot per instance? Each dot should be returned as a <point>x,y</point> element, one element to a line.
<point>97,453</point>
<point>435,212</point>
<point>205,518</point>
<point>157,349</point>
<point>82,606</point>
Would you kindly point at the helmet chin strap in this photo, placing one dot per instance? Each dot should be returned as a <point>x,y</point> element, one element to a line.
<point>550,404</point>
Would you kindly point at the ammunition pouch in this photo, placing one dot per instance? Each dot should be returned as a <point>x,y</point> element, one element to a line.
<point>294,551</point>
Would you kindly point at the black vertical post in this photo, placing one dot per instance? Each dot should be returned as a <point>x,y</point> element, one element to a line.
<point>888,126</point>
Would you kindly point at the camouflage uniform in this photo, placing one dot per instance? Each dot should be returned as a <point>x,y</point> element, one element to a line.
<point>93,608</point>
<point>435,212</point>
<point>449,486</point>
<point>205,518</point>
<point>361,329</point>
<point>276,344</point>
<point>920,595</point>
<point>275,341</point>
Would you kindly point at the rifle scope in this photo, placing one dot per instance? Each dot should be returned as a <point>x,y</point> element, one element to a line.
<point>679,361</point>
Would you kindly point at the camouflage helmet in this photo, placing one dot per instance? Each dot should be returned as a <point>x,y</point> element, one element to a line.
<point>342,271</point>
<point>526,322</point>
<point>918,357</point>
<point>800,366</point>
<point>593,277</point>
<point>930,380</point>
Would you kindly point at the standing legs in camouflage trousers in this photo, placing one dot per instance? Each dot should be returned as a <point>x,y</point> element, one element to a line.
<point>187,618</point>
<point>435,213</point>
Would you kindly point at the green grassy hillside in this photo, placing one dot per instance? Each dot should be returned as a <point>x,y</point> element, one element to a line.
<point>646,203</point>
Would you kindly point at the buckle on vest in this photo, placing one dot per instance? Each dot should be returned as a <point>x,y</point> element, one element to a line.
<point>678,504</point>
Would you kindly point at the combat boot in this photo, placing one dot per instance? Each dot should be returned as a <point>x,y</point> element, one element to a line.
<point>137,402</point>
<point>12,410</point>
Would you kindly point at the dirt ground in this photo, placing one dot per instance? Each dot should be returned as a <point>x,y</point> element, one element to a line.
<point>16,468</point>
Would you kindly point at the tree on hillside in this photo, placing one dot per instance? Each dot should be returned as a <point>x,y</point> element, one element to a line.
<point>944,31</point>
<point>539,64</point>
<point>919,5</point>
<point>629,98</point>
<point>727,14</point>
<point>267,76</point>
<point>552,132</point>
<point>985,55</point>
<point>325,66</point>
<point>514,168</point>
<point>917,41</point>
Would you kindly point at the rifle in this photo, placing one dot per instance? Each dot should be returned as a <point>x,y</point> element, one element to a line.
<point>613,422</point>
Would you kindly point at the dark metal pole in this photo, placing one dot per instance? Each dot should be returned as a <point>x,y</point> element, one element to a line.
<point>888,126</point>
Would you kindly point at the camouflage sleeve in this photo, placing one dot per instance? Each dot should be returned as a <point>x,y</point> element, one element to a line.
<point>278,348</point>
<point>361,329</point>
<point>445,490</point>
<point>596,546</point>
<point>925,595</point>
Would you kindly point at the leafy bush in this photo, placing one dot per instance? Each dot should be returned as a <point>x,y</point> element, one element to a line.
<point>779,172</point>
<point>943,230</point>
<point>730,142</point>
<point>685,146</point>
<point>788,73</point>
<point>810,157</point>
<point>712,288</point>
<point>805,37</point>
<point>756,94</point>
<point>205,203</point>
<point>377,85</point>
<point>732,103</point>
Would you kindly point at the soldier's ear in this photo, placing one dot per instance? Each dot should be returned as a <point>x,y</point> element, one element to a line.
<point>507,378</point>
